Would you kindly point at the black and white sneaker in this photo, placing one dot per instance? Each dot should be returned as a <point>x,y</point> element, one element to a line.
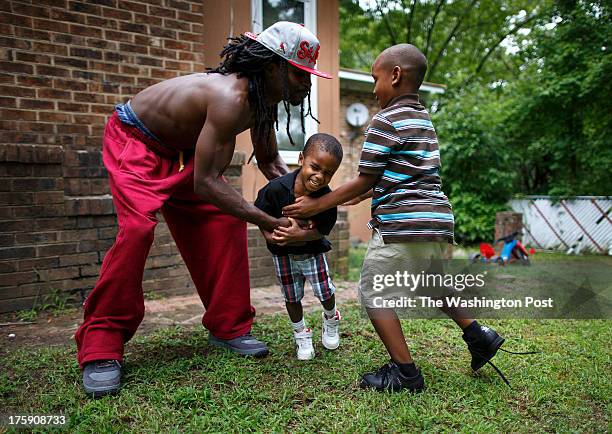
<point>102,377</point>
<point>389,378</point>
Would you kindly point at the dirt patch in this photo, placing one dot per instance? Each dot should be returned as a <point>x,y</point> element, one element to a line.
<point>184,310</point>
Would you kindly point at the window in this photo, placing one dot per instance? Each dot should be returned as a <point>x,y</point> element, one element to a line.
<point>266,13</point>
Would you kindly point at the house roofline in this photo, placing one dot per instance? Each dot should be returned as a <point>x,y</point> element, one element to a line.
<point>363,77</point>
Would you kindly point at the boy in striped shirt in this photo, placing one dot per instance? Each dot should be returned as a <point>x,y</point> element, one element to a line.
<point>412,219</point>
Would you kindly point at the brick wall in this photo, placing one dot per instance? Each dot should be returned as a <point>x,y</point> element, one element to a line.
<point>63,66</point>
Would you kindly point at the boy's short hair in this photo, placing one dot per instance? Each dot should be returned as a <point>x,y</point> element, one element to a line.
<point>324,142</point>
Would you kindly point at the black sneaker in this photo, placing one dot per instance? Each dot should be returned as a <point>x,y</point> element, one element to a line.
<point>102,377</point>
<point>390,378</point>
<point>245,345</point>
<point>483,347</point>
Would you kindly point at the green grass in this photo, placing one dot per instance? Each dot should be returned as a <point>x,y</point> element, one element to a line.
<point>174,382</point>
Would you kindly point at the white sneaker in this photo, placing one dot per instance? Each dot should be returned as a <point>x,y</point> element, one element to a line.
<point>303,340</point>
<point>331,335</point>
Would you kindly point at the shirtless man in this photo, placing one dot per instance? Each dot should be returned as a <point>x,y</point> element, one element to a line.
<point>166,150</point>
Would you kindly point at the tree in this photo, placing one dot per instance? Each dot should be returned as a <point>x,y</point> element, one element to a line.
<point>462,39</point>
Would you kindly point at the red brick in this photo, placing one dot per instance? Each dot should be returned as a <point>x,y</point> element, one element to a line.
<point>17,91</point>
<point>162,12</point>
<point>32,57</point>
<point>37,263</point>
<point>101,22</point>
<point>133,27</point>
<point>178,4</point>
<point>7,78</point>
<point>29,33</point>
<point>87,31</point>
<point>50,70</point>
<point>8,102</point>
<point>60,83</point>
<point>62,15</point>
<point>16,198</point>
<point>59,274</point>
<point>56,249</point>
<point>188,16</point>
<point>178,25</point>
<point>35,81</point>
<point>30,11</point>
<point>85,52</point>
<point>55,117</point>
<point>17,115</point>
<point>36,127</point>
<point>101,66</point>
<point>86,75</point>
<point>193,37</point>
<point>16,20</point>
<point>47,92</point>
<point>36,104</point>
<point>64,39</point>
<point>20,68</point>
<point>132,6</point>
<point>17,252</point>
<point>150,20</point>
<point>36,238</point>
<point>54,26</point>
<point>118,36</point>
<point>15,43</point>
<point>162,32</point>
<point>71,62</point>
<point>78,259</point>
<point>102,43</point>
<point>47,197</point>
<point>50,48</point>
<point>118,14</point>
<point>11,279</point>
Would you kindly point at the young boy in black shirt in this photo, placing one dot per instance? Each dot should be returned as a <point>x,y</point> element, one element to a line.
<point>299,250</point>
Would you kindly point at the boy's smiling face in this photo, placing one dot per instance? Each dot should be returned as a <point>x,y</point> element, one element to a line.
<point>317,169</point>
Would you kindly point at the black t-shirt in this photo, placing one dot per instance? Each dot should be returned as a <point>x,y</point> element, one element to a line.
<point>279,193</point>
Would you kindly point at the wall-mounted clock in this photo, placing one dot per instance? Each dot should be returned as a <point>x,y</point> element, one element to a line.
<point>357,114</point>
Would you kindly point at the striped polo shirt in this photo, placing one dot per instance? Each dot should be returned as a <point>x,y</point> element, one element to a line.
<point>408,203</point>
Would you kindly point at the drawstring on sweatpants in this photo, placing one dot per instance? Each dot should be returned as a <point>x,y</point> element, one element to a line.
<point>181,162</point>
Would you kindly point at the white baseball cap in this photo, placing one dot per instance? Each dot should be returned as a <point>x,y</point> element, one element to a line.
<point>294,43</point>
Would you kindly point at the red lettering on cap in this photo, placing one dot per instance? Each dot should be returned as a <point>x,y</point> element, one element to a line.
<point>306,51</point>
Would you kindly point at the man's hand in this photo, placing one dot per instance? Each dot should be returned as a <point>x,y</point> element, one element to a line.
<point>303,207</point>
<point>294,234</point>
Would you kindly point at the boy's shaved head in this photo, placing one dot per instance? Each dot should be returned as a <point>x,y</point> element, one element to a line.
<point>325,143</point>
<point>409,58</point>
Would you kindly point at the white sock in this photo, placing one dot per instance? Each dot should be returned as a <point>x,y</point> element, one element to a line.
<point>298,326</point>
<point>330,313</point>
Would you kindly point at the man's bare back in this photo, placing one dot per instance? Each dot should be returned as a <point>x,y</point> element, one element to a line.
<point>175,110</point>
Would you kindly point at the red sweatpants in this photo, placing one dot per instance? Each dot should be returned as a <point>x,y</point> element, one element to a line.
<point>212,243</point>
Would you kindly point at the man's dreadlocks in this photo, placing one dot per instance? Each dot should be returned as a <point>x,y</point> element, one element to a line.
<point>248,58</point>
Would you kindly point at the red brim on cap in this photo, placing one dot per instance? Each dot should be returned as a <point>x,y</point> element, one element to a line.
<point>311,70</point>
<point>316,72</point>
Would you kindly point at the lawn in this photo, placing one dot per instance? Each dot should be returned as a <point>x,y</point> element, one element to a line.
<point>174,382</point>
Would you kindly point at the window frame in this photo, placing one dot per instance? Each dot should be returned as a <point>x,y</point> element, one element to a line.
<point>310,22</point>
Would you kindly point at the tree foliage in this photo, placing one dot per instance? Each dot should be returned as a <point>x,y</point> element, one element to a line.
<point>529,96</point>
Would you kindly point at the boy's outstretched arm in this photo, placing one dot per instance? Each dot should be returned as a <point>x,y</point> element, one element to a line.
<point>306,206</point>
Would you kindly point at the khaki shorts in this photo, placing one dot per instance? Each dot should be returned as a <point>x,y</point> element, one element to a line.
<point>383,260</point>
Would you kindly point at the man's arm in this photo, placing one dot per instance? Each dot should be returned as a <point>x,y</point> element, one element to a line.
<point>214,151</point>
<point>306,206</point>
<point>269,160</point>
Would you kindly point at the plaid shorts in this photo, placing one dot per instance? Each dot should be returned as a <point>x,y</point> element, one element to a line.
<point>293,270</point>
